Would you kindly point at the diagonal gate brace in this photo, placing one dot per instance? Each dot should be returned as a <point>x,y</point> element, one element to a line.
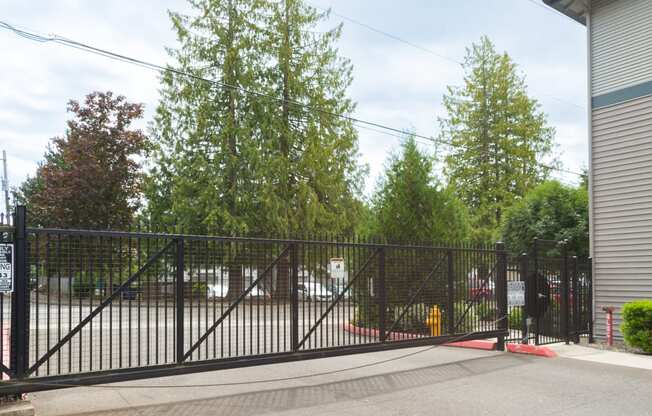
<point>100,307</point>
<point>414,297</point>
<point>235,303</point>
<point>339,297</point>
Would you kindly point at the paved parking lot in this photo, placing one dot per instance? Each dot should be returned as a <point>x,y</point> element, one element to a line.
<point>441,380</point>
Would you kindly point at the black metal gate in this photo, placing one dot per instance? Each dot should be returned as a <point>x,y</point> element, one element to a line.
<point>100,306</point>
<point>558,301</point>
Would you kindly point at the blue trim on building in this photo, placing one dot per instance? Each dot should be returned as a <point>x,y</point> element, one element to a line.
<point>619,96</point>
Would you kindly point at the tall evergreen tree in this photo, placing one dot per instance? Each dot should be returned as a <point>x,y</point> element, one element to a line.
<point>234,162</point>
<point>205,135</point>
<point>411,204</point>
<point>499,136</point>
<point>313,174</point>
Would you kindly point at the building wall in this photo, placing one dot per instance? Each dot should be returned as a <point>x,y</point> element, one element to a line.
<point>621,153</point>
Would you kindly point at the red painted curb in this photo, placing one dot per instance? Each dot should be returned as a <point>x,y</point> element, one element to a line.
<point>476,344</point>
<point>531,350</point>
<point>375,333</point>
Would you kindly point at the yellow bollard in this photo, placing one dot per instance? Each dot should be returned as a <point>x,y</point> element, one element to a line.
<point>434,321</point>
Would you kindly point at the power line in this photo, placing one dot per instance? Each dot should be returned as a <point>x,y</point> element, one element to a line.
<point>427,50</point>
<point>53,38</point>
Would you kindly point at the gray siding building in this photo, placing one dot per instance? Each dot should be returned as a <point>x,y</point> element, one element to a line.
<point>620,143</point>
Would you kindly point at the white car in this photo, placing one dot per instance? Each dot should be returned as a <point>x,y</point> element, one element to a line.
<point>220,291</point>
<point>314,291</point>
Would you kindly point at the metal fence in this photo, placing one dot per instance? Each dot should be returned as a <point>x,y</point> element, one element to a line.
<point>558,295</point>
<point>100,306</point>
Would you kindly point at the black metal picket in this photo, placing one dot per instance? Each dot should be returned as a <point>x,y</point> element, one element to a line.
<point>101,306</point>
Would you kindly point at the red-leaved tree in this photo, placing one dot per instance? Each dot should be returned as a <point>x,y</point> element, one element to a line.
<point>90,177</point>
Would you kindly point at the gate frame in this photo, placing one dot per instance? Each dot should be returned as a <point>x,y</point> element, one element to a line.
<point>21,382</point>
<point>569,297</point>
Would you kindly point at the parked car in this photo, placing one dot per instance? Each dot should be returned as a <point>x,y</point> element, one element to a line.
<point>481,289</point>
<point>314,291</point>
<point>220,291</point>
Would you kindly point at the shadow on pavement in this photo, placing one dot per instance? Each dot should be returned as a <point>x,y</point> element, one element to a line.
<point>289,398</point>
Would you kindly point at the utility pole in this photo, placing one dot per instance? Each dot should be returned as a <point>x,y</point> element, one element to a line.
<point>5,182</point>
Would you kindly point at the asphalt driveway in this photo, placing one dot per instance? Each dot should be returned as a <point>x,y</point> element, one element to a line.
<point>439,381</point>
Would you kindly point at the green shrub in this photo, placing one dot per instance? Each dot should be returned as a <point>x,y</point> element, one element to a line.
<point>637,325</point>
<point>199,289</point>
<point>414,320</point>
<point>469,319</point>
<point>486,311</point>
<point>515,320</point>
<point>366,314</point>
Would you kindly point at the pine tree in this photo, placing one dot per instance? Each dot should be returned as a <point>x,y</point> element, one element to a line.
<point>499,136</point>
<point>412,206</point>
<point>205,135</point>
<point>236,162</point>
<point>313,174</point>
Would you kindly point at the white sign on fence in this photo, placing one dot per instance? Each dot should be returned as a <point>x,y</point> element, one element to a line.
<point>337,268</point>
<point>516,293</point>
<point>6,268</point>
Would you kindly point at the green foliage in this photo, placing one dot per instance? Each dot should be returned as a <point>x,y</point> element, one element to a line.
<point>414,320</point>
<point>199,289</point>
<point>550,211</point>
<point>498,134</point>
<point>411,205</point>
<point>637,325</point>
<point>231,162</point>
<point>366,313</point>
<point>515,318</point>
<point>486,311</point>
<point>465,316</point>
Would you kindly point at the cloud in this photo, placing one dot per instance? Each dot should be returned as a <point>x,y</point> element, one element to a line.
<point>395,84</point>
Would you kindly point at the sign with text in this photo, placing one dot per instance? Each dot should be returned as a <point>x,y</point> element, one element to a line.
<point>337,268</point>
<point>6,268</point>
<point>516,293</point>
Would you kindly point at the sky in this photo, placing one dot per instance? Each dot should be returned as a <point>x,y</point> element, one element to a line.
<point>395,84</point>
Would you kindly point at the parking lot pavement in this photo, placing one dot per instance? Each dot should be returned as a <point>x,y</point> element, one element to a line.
<point>441,380</point>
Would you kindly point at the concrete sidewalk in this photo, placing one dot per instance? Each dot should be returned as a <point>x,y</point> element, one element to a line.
<point>442,380</point>
<point>596,355</point>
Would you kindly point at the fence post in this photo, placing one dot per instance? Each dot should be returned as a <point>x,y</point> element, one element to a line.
<point>180,300</point>
<point>450,295</point>
<point>501,293</point>
<point>575,300</point>
<point>20,299</point>
<point>535,305</point>
<point>590,300</point>
<point>530,294</point>
<point>565,295</point>
<point>382,296</point>
<point>294,297</point>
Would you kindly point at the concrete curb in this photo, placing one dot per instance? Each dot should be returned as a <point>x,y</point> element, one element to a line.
<point>397,336</point>
<point>531,350</point>
<point>476,344</point>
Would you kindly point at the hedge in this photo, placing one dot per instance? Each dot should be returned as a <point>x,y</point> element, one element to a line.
<point>637,325</point>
